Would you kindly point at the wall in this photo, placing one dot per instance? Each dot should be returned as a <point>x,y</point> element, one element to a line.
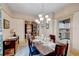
<point>16,22</point>
<point>56,29</point>
<point>75,34</point>
<point>68,12</point>
<point>6,32</point>
<point>18,26</point>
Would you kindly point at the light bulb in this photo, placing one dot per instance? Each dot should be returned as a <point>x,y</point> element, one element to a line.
<point>40,15</point>
<point>41,19</point>
<point>37,21</point>
<point>48,19</point>
<point>46,16</point>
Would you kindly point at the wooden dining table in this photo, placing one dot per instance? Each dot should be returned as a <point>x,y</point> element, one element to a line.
<point>44,47</point>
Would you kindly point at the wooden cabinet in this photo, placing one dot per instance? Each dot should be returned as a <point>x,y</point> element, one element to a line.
<point>30,27</point>
<point>34,28</point>
<point>10,46</point>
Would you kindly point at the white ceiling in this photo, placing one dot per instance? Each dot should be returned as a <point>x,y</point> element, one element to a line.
<point>36,8</point>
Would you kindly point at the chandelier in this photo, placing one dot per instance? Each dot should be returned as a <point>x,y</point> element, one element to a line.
<point>43,19</point>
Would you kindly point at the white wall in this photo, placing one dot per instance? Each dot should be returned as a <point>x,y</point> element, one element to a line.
<point>6,32</point>
<point>18,25</point>
<point>56,29</point>
<point>75,31</point>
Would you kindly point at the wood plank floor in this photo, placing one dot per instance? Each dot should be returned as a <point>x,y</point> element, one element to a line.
<point>22,51</point>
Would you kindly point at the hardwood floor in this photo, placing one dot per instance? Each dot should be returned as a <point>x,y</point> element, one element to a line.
<point>74,52</point>
<point>23,49</point>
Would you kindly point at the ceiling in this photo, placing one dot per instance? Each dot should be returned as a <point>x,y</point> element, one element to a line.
<point>36,8</point>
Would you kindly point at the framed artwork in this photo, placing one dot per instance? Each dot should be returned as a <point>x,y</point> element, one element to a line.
<point>0,25</point>
<point>6,24</point>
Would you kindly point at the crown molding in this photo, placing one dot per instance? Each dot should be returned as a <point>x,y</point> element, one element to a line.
<point>5,8</point>
<point>67,11</point>
<point>16,15</point>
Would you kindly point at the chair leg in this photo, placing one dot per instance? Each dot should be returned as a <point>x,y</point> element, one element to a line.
<point>30,54</point>
<point>30,51</point>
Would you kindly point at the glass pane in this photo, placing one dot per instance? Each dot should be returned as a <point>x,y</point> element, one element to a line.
<point>64,29</point>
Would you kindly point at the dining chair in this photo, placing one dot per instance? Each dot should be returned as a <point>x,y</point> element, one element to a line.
<point>32,48</point>
<point>52,37</point>
<point>60,50</point>
<point>66,49</point>
<point>29,45</point>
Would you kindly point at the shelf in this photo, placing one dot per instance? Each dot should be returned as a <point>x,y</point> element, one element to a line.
<point>64,29</point>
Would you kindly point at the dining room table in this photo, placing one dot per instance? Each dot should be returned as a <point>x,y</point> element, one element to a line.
<point>44,47</point>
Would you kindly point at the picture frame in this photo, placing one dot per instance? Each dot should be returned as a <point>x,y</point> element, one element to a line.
<point>6,24</point>
<point>0,25</point>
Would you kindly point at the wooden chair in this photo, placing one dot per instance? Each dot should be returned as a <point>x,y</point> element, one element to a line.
<point>60,50</point>
<point>66,49</point>
<point>29,45</point>
<point>32,49</point>
<point>52,37</point>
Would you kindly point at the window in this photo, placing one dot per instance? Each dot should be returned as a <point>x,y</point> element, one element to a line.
<point>64,29</point>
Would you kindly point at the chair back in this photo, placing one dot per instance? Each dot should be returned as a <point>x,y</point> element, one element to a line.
<point>61,50</point>
<point>29,45</point>
<point>32,49</point>
<point>66,50</point>
<point>52,37</point>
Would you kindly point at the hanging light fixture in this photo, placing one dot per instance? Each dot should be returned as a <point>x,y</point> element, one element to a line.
<point>43,19</point>
<point>40,15</point>
<point>46,16</point>
<point>37,21</point>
